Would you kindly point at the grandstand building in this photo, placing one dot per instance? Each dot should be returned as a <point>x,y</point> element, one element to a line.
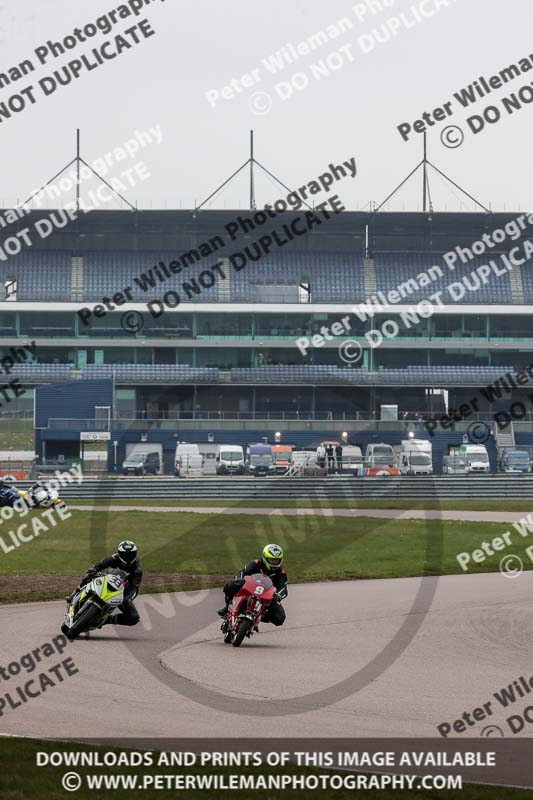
<point>227,348</point>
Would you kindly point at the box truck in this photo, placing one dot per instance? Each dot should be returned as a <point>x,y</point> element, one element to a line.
<point>282,454</point>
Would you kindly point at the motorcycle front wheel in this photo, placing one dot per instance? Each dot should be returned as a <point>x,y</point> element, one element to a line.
<point>86,619</point>
<point>244,628</point>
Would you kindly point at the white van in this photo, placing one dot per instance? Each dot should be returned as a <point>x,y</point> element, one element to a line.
<point>230,459</point>
<point>352,459</point>
<point>380,455</point>
<point>188,461</point>
<point>454,464</point>
<point>477,457</point>
<point>416,457</point>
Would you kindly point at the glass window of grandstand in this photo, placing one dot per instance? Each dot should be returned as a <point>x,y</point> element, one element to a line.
<point>164,355</point>
<point>226,326</point>
<point>184,355</point>
<point>281,326</point>
<point>357,327</point>
<point>510,326</point>
<point>411,327</point>
<point>144,355</point>
<point>225,402</point>
<point>446,326</point>
<point>8,324</point>
<point>294,402</point>
<point>109,325</point>
<point>459,358</point>
<point>119,355</point>
<point>331,356</point>
<point>392,358</point>
<point>125,403</point>
<point>515,358</point>
<point>267,356</point>
<point>44,323</point>
<point>171,325</point>
<point>223,357</point>
<point>474,327</point>
<point>165,402</point>
<point>340,403</point>
<point>55,355</point>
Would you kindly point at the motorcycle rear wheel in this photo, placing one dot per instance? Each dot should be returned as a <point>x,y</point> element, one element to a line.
<point>86,619</point>
<point>244,628</point>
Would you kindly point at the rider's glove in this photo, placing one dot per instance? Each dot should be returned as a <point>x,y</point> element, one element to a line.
<point>277,597</point>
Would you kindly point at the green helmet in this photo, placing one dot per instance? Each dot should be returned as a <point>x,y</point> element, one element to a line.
<point>272,557</point>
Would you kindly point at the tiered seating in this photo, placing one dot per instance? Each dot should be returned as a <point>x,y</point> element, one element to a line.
<point>333,277</point>
<point>283,373</point>
<point>175,373</point>
<point>40,373</point>
<point>107,273</point>
<point>40,275</point>
<point>414,375</point>
<point>477,375</point>
<point>392,270</point>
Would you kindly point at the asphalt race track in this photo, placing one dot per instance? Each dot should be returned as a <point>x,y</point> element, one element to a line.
<point>354,659</point>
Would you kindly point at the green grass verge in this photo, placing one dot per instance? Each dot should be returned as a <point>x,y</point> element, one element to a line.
<point>334,548</point>
<point>401,505</point>
<point>22,780</point>
<point>17,434</point>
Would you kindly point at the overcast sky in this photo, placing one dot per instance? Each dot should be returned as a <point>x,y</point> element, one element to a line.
<point>201,45</point>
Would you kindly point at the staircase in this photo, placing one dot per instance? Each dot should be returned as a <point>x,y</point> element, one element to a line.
<point>224,287</point>
<point>505,438</point>
<point>76,278</point>
<point>369,275</point>
<point>517,288</point>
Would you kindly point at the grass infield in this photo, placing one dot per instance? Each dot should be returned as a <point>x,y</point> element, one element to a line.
<point>192,550</point>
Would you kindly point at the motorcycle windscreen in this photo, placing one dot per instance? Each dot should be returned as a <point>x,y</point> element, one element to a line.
<point>262,580</point>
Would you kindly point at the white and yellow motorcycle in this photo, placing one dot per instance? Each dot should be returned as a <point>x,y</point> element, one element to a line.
<point>37,496</point>
<point>93,604</point>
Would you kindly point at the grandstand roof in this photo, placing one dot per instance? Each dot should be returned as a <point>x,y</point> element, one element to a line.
<point>180,230</point>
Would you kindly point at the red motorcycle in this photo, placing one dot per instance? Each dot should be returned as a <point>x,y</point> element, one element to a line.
<point>247,608</point>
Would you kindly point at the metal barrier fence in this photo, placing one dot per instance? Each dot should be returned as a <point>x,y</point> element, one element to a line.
<point>184,490</point>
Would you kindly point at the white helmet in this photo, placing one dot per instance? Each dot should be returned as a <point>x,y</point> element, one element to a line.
<point>41,497</point>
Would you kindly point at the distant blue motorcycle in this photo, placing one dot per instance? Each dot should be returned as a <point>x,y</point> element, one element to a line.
<point>8,496</point>
<point>38,496</point>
